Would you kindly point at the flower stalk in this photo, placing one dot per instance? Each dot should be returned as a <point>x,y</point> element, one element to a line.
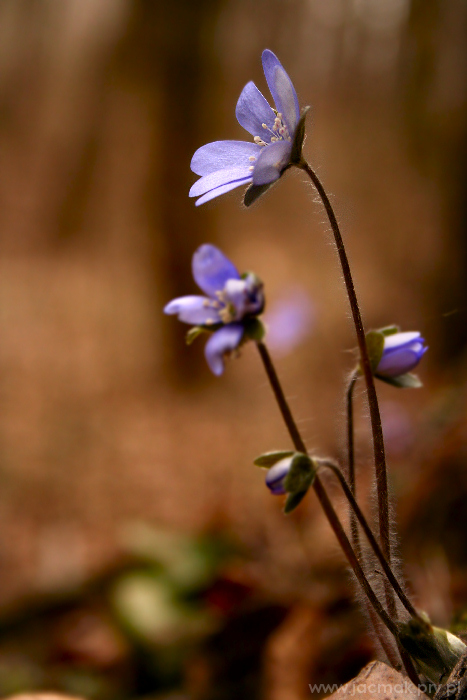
<point>351,461</point>
<point>371,538</point>
<point>375,418</point>
<point>322,493</point>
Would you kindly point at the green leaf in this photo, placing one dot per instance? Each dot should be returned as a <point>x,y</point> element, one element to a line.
<point>293,500</point>
<point>269,459</point>
<point>299,136</point>
<point>301,474</point>
<point>375,345</point>
<point>389,330</point>
<point>193,333</point>
<point>254,330</point>
<point>403,381</point>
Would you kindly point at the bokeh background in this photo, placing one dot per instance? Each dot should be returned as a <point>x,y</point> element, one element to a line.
<point>140,553</point>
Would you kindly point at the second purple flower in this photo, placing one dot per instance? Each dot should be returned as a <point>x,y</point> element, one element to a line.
<point>231,302</point>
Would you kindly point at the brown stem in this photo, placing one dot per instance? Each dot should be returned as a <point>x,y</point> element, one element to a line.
<point>355,536</point>
<point>406,660</point>
<point>371,539</point>
<point>322,494</point>
<point>378,442</point>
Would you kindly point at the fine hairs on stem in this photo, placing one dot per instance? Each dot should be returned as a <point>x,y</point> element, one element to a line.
<point>355,514</point>
<point>375,418</point>
<point>322,495</point>
<point>390,621</point>
<point>376,428</point>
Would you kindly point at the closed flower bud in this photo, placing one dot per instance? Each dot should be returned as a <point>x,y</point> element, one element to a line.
<point>401,353</point>
<point>276,476</point>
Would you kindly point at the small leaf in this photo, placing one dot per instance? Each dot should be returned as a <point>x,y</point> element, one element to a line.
<point>255,191</point>
<point>301,474</point>
<point>293,500</point>
<point>193,333</point>
<point>375,345</point>
<point>254,330</point>
<point>269,459</point>
<point>299,136</point>
<point>389,330</point>
<point>403,381</point>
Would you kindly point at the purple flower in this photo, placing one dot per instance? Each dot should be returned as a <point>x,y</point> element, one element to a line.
<point>224,165</point>
<point>401,353</point>
<point>276,475</point>
<point>231,300</point>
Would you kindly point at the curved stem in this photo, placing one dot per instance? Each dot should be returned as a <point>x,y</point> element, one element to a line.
<point>378,442</point>
<point>322,494</point>
<point>280,398</point>
<point>351,461</point>
<point>371,539</point>
<point>355,536</point>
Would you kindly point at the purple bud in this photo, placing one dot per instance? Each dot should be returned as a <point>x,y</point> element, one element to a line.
<point>276,476</point>
<point>401,353</point>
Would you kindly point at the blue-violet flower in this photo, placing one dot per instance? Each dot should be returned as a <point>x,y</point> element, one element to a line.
<point>275,476</point>
<point>231,301</point>
<point>224,165</point>
<point>401,353</point>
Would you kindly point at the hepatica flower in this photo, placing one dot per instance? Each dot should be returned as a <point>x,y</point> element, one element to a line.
<point>277,132</point>
<point>290,473</point>
<point>229,309</point>
<point>275,477</point>
<point>394,355</point>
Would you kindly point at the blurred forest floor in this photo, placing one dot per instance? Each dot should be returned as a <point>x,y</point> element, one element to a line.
<point>108,421</point>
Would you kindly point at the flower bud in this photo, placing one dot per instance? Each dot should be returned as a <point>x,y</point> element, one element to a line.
<point>401,353</point>
<point>276,476</point>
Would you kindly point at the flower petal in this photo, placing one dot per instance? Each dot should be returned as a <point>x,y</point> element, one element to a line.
<point>211,269</point>
<point>222,190</point>
<point>271,161</point>
<point>276,476</point>
<point>282,89</point>
<point>401,361</point>
<point>223,154</point>
<point>399,340</point>
<point>253,111</point>
<point>219,178</point>
<point>193,309</point>
<point>220,343</point>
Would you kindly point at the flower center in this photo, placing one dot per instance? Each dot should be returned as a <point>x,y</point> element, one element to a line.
<point>239,298</point>
<point>279,131</point>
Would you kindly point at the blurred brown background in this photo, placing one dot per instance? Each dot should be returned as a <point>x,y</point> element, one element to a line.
<point>108,419</point>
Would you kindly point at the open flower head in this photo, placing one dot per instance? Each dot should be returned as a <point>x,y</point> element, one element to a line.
<point>231,302</point>
<point>224,165</point>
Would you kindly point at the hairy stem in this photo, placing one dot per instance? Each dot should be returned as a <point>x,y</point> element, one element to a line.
<point>371,539</point>
<point>378,442</point>
<point>355,536</point>
<point>322,494</point>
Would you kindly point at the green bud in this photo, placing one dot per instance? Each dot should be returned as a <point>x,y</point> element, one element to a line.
<point>301,474</point>
<point>293,500</point>
<point>269,459</point>
<point>434,650</point>
<point>403,381</point>
<point>389,330</point>
<point>375,346</point>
